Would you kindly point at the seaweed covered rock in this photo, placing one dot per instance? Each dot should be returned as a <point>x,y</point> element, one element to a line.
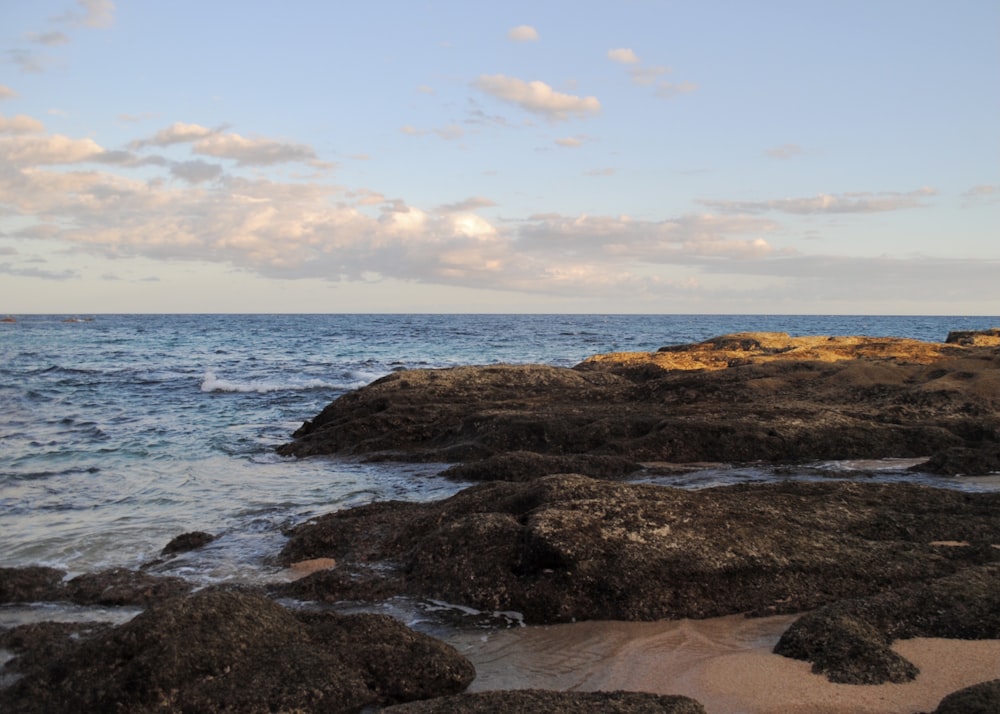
<point>227,651</point>
<point>568,547</point>
<point>849,641</point>
<point>116,586</point>
<point>33,583</point>
<point>736,398</point>
<point>534,700</point>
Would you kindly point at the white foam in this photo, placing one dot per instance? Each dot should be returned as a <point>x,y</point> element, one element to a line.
<point>212,383</point>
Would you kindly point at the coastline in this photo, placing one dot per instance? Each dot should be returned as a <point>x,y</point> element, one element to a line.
<point>725,663</point>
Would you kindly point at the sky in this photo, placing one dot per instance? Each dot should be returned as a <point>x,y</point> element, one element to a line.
<point>689,156</point>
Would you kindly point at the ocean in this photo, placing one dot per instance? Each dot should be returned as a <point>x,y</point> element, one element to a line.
<point>119,432</point>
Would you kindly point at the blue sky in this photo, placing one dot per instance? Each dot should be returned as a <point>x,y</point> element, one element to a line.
<point>666,157</point>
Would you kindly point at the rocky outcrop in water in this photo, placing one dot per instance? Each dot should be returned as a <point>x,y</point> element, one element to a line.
<point>568,547</point>
<point>219,651</point>
<point>737,398</point>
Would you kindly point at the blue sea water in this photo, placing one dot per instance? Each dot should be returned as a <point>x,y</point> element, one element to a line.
<point>118,432</point>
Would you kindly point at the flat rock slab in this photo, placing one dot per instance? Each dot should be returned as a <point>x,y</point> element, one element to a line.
<point>737,398</point>
<point>568,547</point>
<point>219,651</point>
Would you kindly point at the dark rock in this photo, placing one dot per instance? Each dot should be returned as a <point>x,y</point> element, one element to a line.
<point>963,461</point>
<point>30,584</point>
<point>981,698</point>
<point>528,465</point>
<point>534,700</point>
<point>120,586</point>
<point>754,397</point>
<point>40,642</point>
<point>187,541</point>
<point>849,641</point>
<point>974,337</point>
<point>568,547</point>
<point>226,651</point>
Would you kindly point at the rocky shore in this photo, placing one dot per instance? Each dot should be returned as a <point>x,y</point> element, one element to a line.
<point>558,532</point>
<point>737,398</point>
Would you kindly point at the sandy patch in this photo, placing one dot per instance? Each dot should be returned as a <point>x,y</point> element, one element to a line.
<point>302,568</point>
<point>725,663</point>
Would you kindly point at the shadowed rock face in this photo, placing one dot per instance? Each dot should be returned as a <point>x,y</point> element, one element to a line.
<point>569,547</point>
<point>737,398</point>
<point>225,651</point>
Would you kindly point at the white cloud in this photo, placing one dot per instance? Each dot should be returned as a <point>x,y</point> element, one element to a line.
<point>473,203</point>
<point>6,92</point>
<point>451,132</point>
<point>856,202</point>
<point>176,133</point>
<point>228,145</point>
<point>20,124</point>
<point>27,61</point>
<point>196,171</point>
<point>40,150</point>
<point>669,90</point>
<point>785,151</point>
<point>522,33</point>
<point>95,13</point>
<point>537,97</point>
<point>254,152</point>
<point>49,38</point>
<point>570,142</point>
<point>623,55</point>
<point>647,75</point>
<point>981,195</point>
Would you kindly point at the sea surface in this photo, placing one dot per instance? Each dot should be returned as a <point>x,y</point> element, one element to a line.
<point>119,432</point>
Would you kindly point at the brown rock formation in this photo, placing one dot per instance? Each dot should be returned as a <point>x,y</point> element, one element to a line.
<point>737,398</point>
<point>225,651</point>
<point>570,547</point>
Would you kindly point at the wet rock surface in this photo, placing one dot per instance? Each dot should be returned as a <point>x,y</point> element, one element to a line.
<point>531,700</point>
<point>849,641</point>
<point>569,547</point>
<point>228,651</point>
<point>736,398</point>
<point>117,586</point>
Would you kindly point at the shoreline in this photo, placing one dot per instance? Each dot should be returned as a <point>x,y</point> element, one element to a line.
<point>725,663</point>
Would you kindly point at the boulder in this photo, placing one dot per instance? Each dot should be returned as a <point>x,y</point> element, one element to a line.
<point>221,651</point>
<point>186,542</point>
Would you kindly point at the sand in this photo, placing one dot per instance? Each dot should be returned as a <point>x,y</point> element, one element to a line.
<point>725,663</point>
